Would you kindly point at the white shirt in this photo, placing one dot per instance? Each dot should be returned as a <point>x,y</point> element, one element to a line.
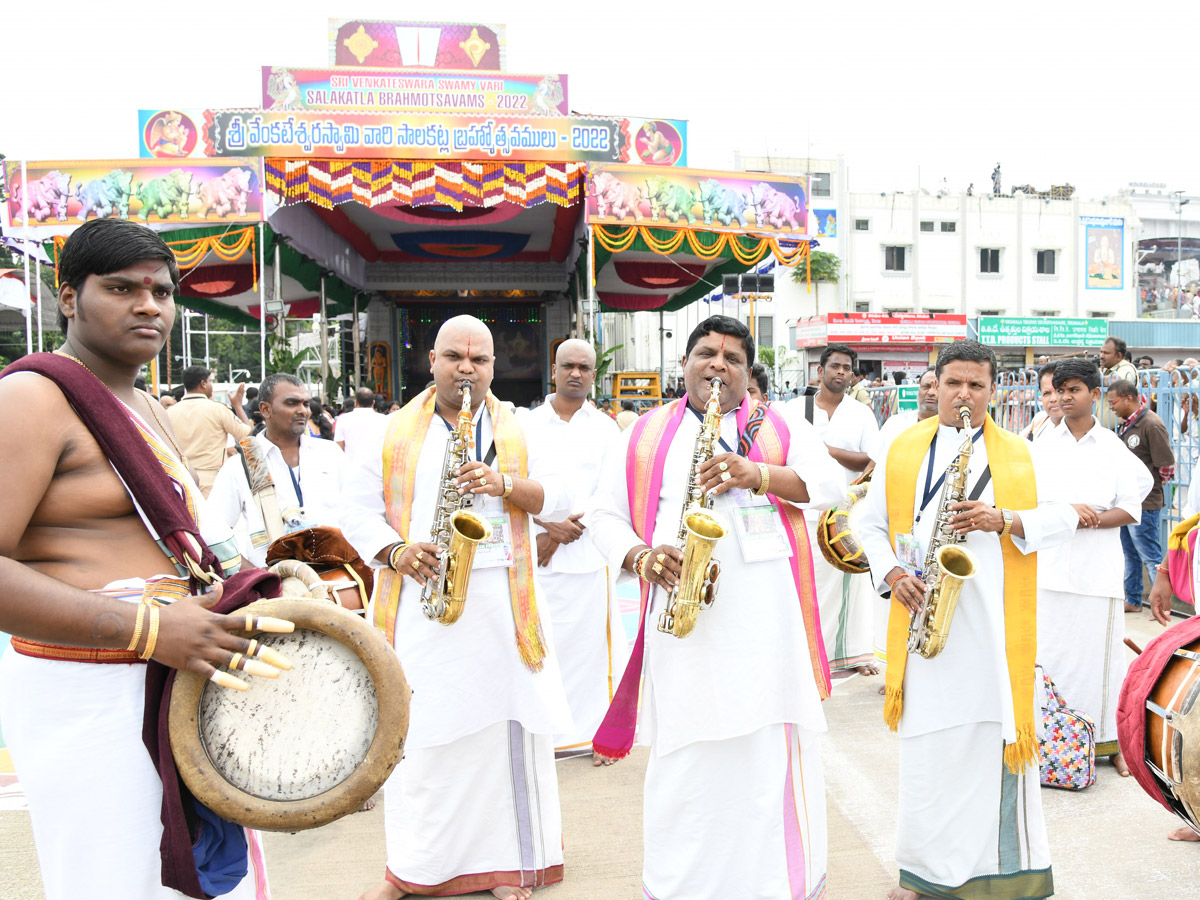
<point>321,478</point>
<point>580,445</point>
<point>894,424</point>
<point>469,675</point>
<point>746,664</point>
<point>361,431</point>
<point>851,427</point>
<point>968,681</point>
<point>1099,470</point>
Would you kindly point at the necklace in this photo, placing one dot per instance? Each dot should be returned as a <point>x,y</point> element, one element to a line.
<point>145,397</point>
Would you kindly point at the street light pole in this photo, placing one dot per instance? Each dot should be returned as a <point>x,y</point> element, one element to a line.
<point>1179,203</point>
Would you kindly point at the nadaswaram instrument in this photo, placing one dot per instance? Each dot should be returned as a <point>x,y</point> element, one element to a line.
<point>456,530</point>
<point>947,564</point>
<point>306,748</point>
<point>699,531</point>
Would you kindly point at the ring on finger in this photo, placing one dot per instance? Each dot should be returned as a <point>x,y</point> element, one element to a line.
<point>656,568</point>
<point>420,553</point>
<point>416,566</point>
<point>723,467</point>
<point>235,661</point>
<point>725,476</point>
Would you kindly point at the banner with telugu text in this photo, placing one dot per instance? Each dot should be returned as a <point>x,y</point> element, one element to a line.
<point>410,135</point>
<point>475,93</point>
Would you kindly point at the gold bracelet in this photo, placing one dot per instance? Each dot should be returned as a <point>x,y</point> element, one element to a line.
<point>639,563</point>
<point>152,637</point>
<point>766,480</point>
<point>137,628</point>
<point>508,485</point>
<point>1007,516</point>
<point>396,551</point>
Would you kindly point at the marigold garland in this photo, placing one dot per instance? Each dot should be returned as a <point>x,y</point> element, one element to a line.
<point>618,239</point>
<point>228,246</point>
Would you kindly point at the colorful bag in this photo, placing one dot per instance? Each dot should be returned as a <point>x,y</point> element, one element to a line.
<point>1067,748</point>
<point>1181,547</point>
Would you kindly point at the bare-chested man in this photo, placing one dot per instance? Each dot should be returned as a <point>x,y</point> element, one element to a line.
<point>473,806</point>
<point>76,561</point>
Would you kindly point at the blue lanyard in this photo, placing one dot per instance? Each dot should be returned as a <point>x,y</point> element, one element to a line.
<point>296,485</point>
<point>930,492</point>
<point>700,416</point>
<point>478,433</point>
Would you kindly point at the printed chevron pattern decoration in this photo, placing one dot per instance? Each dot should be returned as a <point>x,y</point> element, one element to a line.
<point>457,184</point>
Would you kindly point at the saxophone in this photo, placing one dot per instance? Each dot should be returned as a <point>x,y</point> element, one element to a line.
<point>699,531</point>
<point>456,530</point>
<point>947,565</point>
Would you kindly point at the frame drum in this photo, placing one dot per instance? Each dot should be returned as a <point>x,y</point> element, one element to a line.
<point>835,532</point>
<point>1173,733</point>
<point>306,748</point>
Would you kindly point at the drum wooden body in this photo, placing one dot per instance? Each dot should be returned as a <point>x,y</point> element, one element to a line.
<point>1173,732</point>
<point>835,533</point>
<point>307,748</point>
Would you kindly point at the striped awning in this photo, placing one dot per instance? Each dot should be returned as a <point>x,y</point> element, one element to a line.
<point>456,184</point>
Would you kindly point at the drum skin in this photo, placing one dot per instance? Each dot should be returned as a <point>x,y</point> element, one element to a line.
<point>835,533</point>
<point>215,786</point>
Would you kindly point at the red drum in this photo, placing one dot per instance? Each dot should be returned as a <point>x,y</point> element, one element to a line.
<point>1158,720</point>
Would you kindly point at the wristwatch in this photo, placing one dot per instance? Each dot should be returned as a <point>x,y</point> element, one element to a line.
<point>1008,520</point>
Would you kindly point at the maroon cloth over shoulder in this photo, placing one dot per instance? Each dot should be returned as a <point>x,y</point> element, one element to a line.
<point>1140,681</point>
<point>108,421</point>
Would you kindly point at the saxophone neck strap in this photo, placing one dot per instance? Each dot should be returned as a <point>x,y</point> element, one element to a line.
<point>933,487</point>
<point>747,435</point>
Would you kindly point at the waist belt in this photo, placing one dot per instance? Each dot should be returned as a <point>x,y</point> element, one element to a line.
<point>73,654</point>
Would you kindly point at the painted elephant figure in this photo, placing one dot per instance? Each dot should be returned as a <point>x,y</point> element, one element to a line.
<point>166,195</point>
<point>106,195</point>
<point>615,198</point>
<point>225,194</point>
<point>721,202</point>
<point>672,200</point>
<point>773,207</point>
<point>45,197</point>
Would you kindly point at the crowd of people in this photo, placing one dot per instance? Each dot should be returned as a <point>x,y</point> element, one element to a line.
<point>535,669</point>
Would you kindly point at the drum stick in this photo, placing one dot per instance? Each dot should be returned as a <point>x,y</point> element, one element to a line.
<point>225,680</point>
<point>1132,646</point>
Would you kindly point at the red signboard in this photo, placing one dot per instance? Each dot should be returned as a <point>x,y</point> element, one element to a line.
<point>881,328</point>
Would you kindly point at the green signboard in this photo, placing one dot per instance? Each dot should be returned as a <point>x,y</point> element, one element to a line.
<point>1005,331</point>
<point>906,398</point>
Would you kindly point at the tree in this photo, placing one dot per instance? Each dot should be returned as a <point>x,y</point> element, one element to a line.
<point>824,267</point>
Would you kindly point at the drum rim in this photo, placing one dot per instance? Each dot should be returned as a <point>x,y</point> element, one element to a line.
<point>212,789</point>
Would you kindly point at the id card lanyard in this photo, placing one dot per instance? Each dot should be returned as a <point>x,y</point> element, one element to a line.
<point>932,488</point>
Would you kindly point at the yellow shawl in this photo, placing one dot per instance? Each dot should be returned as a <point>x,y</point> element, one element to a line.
<point>401,450</point>
<point>1015,488</point>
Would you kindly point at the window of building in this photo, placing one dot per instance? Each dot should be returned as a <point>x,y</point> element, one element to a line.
<point>1046,313</point>
<point>862,305</point>
<point>937,312</point>
<point>765,325</point>
<point>989,312</point>
<point>893,259</point>
<point>949,227</point>
<point>1045,262</point>
<point>927,226</point>
<point>989,261</point>
<point>862,224</point>
<point>819,184</point>
<point>1100,315</point>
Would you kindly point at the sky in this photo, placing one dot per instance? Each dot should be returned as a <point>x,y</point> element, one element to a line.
<point>1093,94</point>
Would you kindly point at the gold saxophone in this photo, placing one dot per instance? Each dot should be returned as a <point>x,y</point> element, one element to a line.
<point>699,531</point>
<point>456,530</point>
<point>947,565</point>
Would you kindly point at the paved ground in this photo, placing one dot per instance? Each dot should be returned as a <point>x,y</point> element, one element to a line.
<point>1108,841</point>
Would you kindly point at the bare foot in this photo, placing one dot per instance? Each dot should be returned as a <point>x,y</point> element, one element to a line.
<point>899,893</point>
<point>368,804</point>
<point>599,760</point>
<point>504,892</point>
<point>883,689</point>
<point>1118,762</point>
<point>1183,834</point>
<point>385,890</point>
<point>867,669</point>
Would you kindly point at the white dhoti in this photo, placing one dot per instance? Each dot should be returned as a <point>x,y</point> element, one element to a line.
<point>589,640</point>
<point>742,817</point>
<point>1081,647</point>
<point>75,733</point>
<point>968,827</point>
<point>475,814</point>
<point>847,609</point>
